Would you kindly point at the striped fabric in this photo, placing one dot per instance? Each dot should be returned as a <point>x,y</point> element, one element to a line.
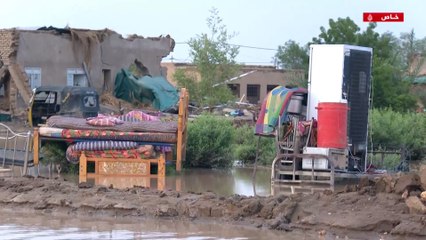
<point>143,151</point>
<point>100,135</point>
<point>104,145</point>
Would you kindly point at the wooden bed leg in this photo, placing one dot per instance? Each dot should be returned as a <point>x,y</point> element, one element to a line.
<point>36,146</point>
<point>179,163</point>
<point>83,168</point>
<point>182,121</point>
<point>161,183</point>
<point>161,166</point>
<point>161,173</point>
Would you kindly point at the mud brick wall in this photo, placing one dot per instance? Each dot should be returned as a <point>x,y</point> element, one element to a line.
<point>9,39</point>
<point>8,45</point>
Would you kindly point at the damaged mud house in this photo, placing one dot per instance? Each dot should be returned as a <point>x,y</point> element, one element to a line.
<point>70,57</point>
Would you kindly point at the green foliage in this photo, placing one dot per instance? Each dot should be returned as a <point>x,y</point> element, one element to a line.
<point>389,91</point>
<point>245,146</point>
<point>395,130</point>
<point>214,58</point>
<point>342,31</point>
<point>293,56</point>
<point>209,142</point>
<point>190,83</point>
<point>389,161</point>
<point>213,142</point>
<point>54,153</point>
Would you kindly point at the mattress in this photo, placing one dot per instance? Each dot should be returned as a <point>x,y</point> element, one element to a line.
<point>144,126</point>
<point>96,134</point>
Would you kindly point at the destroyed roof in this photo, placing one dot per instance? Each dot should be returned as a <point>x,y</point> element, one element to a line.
<point>67,30</point>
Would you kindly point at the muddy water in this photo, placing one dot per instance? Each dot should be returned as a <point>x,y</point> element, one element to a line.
<point>15,225</point>
<point>224,182</point>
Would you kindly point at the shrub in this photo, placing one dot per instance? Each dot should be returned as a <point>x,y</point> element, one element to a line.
<point>245,146</point>
<point>209,143</point>
<point>395,130</point>
<point>54,153</point>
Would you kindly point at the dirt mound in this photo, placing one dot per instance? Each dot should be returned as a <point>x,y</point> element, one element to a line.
<point>406,184</point>
<point>365,212</point>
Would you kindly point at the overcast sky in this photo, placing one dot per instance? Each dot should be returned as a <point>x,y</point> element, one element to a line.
<point>258,23</point>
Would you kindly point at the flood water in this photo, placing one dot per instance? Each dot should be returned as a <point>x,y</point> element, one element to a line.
<point>224,182</point>
<point>38,227</point>
<point>14,225</point>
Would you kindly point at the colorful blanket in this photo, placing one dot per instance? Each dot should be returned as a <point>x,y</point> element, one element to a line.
<point>144,126</point>
<point>273,107</point>
<point>119,136</point>
<point>138,116</point>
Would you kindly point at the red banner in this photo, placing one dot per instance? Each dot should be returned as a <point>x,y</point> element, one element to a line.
<point>383,17</point>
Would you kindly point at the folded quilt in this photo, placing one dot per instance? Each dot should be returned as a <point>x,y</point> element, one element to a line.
<point>81,124</point>
<point>142,151</point>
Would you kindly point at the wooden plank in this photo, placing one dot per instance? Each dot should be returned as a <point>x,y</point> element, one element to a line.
<point>141,168</point>
<point>93,175</point>
<point>120,182</point>
<point>161,166</point>
<point>83,168</point>
<point>182,119</point>
<point>36,147</point>
<point>98,159</point>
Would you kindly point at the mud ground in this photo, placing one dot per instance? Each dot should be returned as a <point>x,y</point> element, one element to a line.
<point>384,208</point>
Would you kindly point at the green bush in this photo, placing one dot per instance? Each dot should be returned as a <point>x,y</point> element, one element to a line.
<point>209,144</point>
<point>245,146</point>
<point>54,153</point>
<point>396,130</point>
<point>390,161</point>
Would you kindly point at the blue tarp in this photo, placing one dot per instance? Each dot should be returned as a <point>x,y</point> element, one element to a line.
<point>156,91</point>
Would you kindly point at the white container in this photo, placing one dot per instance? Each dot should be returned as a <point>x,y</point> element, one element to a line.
<point>326,74</point>
<point>319,163</point>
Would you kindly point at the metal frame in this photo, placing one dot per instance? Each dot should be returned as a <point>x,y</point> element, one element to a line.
<point>7,135</point>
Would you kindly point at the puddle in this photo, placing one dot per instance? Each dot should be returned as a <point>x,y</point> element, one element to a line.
<point>31,226</point>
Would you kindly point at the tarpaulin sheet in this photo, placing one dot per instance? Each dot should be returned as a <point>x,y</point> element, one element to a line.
<point>273,108</point>
<point>156,91</point>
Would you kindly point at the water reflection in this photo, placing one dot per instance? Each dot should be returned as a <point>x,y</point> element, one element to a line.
<point>16,225</point>
<point>224,182</point>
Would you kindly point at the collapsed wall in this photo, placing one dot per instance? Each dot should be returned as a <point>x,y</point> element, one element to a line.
<point>61,54</point>
<point>15,91</point>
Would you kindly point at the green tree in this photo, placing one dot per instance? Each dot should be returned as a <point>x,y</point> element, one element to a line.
<point>342,31</point>
<point>214,58</point>
<point>293,56</point>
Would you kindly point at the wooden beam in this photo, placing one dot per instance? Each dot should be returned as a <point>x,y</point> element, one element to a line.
<point>36,146</point>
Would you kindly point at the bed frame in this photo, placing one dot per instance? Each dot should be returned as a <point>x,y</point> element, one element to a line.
<point>138,166</point>
<point>15,149</point>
